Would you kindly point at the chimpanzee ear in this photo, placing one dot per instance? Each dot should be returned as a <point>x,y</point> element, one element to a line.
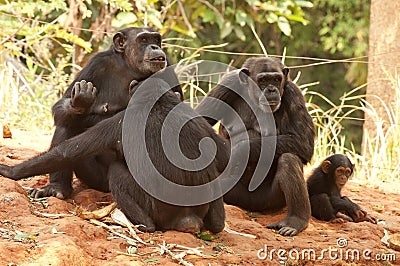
<point>244,74</point>
<point>325,166</point>
<point>119,41</point>
<point>285,71</point>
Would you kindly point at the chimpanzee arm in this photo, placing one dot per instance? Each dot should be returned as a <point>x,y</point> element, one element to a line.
<point>211,105</point>
<point>223,150</point>
<point>344,204</point>
<point>103,136</point>
<point>65,116</point>
<point>226,92</point>
<point>294,125</point>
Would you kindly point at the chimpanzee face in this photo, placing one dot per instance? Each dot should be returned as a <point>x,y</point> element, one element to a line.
<point>270,76</point>
<point>338,169</point>
<point>342,175</point>
<point>153,59</point>
<point>270,90</point>
<point>142,48</point>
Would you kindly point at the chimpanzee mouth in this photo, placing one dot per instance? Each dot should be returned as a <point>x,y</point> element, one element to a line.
<point>266,102</point>
<point>272,103</point>
<point>156,59</point>
<point>270,106</point>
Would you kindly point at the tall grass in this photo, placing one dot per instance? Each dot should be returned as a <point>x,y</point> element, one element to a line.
<point>26,98</point>
<point>380,164</point>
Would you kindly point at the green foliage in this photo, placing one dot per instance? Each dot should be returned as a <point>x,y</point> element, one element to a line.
<point>209,22</point>
<point>33,8</point>
<point>27,35</point>
<point>344,26</point>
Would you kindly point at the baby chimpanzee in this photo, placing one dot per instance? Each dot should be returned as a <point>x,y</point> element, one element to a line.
<point>324,189</point>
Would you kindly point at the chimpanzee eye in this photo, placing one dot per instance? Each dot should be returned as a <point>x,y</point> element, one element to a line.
<point>340,172</point>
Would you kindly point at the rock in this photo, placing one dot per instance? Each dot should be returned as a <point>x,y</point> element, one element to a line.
<point>59,251</point>
<point>394,242</point>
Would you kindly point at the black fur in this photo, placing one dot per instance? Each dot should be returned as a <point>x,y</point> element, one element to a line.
<point>327,202</point>
<point>284,183</point>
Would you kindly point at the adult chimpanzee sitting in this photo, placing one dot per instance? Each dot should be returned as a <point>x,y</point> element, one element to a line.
<point>266,84</point>
<point>134,55</point>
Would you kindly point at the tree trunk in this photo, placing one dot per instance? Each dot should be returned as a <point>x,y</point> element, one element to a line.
<point>383,66</point>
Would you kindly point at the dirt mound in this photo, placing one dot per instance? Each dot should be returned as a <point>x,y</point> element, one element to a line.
<point>47,232</point>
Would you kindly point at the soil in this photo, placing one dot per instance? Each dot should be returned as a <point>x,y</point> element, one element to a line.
<point>50,231</point>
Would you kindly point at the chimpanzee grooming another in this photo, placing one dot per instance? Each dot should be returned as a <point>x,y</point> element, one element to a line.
<point>138,205</point>
<point>324,188</point>
<point>268,86</point>
<point>134,55</point>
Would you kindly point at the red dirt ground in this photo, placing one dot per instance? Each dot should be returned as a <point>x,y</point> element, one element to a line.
<point>28,238</point>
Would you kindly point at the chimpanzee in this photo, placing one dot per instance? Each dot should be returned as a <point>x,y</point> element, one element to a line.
<point>139,206</point>
<point>267,85</point>
<point>134,55</point>
<point>324,188</point>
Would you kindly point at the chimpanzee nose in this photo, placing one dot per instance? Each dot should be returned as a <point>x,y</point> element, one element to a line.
<point>154,47</point>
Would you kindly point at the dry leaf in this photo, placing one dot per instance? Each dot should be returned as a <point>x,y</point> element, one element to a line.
<point>7,132</point>
<point>378,209</point>
<point>98,214</point>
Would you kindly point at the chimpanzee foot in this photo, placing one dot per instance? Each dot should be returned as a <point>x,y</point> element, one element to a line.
<point>283,230</point>
<point>189,224</point>
<point>51,190</point>
<point>290,226</point>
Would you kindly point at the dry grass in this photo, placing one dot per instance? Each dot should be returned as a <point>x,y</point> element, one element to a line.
<point>26,98</point>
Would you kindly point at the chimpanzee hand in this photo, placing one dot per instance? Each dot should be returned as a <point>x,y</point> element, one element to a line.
<point>361,216</point>
<point>132,86</point>
<point>341,218</point>
<point>82,96</point>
